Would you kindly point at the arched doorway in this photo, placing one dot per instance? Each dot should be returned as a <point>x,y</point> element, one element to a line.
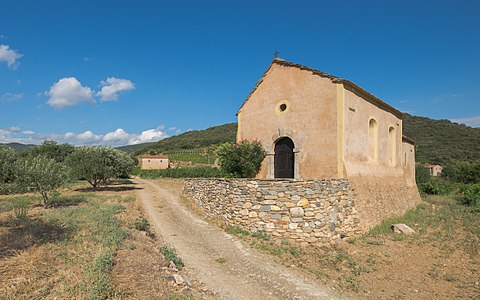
<point>284,160</point>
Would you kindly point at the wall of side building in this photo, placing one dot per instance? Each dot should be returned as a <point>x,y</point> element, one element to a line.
<point>154,163</point>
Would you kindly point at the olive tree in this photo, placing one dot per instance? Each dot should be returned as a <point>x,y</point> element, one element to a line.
<point>8,156</point>
<point>51,149</point>
<point>99,164</point>
<point>41,175</point>
<point>242,159</point>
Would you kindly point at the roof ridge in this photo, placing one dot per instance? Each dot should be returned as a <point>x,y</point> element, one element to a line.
<point>352,86</point>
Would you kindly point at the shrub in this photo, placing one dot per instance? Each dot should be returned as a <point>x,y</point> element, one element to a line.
<point>470,195</point>
<point>40,175</point>
<point>8,156</point>
<point>189,172</point>
<point>242,159</point>
<point>171,254</point>
<point>99,164</point>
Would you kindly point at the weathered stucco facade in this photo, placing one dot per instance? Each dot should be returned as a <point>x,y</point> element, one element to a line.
<point>333,129</point>
<point>154,162</point>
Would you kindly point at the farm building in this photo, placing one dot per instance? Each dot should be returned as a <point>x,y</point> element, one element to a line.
<point>434,170</point>
<point>154,162</point>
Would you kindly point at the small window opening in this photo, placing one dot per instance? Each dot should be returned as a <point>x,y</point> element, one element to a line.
<point>283,107</point>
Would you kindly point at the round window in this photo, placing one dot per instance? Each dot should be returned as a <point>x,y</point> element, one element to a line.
<point>282,107</point>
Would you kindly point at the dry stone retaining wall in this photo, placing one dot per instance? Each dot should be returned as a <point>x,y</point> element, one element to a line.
<point>305,211</point>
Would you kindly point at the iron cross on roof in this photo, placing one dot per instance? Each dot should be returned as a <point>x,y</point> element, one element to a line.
<point>275,54</point>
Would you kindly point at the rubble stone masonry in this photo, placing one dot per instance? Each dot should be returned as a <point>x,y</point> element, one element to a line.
<point>316,212</point>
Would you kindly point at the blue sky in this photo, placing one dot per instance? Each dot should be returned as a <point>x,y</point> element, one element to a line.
<point>123,72</point>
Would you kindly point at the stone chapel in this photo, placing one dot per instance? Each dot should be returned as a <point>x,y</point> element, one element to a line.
<point>317,126</point>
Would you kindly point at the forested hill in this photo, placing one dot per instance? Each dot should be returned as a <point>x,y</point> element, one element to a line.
<point>439,141</point>
<point>19,147</point>
<point>190,140</point>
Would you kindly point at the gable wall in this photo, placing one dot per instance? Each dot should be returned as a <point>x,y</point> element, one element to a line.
<point>310,120</point>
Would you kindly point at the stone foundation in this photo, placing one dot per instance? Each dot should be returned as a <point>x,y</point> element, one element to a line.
<point>316,212</point>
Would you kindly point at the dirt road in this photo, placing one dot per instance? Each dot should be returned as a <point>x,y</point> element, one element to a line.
<point>223,262</point>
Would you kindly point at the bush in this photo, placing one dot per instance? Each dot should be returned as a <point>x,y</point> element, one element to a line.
<point>8,156</point>
<point>193,172</point>
<point>435,187</point>
<point>465,172</point>
<point>470,195</point>
<point>170,254</point>
<point>242,159</point>
<point>99,164</point>
<point>40,175</point>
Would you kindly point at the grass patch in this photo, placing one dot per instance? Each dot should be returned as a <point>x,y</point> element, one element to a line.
<point>171,254</point>
<point>73,253</point>
<point>235,230</point>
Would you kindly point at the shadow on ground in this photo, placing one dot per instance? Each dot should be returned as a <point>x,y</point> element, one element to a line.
<point>119,185</point>
<point>20,234</point>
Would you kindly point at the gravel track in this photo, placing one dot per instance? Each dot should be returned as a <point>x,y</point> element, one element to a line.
<point>244,274</point>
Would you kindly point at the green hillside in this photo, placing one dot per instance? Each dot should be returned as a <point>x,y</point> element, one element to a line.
<point>194,139</point>
<point>19,147</point>
<point>439,141</point>
<point>134,148</point>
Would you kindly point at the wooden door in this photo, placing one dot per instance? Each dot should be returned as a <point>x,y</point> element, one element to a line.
<point>284,160</point>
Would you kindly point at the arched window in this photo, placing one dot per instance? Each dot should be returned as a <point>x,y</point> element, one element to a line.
<point>373,140</point>
<point>392,145</point>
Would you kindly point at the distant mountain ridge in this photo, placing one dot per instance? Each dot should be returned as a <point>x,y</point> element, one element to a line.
<point>194,139</point>
<point>18,147</point>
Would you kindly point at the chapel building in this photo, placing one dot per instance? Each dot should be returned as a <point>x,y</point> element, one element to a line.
<point>317,126</point>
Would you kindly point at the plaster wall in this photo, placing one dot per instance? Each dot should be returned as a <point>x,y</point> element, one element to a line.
<point>154,163</point>
<point>358,158</point>
<point>310,120</point>
<point>408,163</point>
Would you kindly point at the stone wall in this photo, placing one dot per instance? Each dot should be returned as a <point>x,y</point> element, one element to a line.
<point>305,211</point>
<point>377,198</point>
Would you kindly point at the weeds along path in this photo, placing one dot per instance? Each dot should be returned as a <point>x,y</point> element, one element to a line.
<point>223,262</point>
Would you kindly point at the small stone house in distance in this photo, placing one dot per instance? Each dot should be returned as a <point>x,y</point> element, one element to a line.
<point>317,126</point>
<point>434,170</point>
<point>154,162</point>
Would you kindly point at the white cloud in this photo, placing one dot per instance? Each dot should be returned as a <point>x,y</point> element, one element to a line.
<point>150,135</point>
<point>118,137</point>
<point>113,86</point>
<point>86,59</point>
<point>9,56</point>
<point>69,92</point>
<point>470,121</point>
<point>10,97</point>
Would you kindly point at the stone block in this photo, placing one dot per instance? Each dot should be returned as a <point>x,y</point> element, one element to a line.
<point>303,203</point>
<point>290,204</point>
<point>247,205</point>
<point>253,214</point>
<point>275,208</point>
<point>297,212</point>
<point>265,208</point>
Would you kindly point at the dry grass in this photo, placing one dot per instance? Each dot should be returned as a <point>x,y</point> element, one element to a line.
<point>64,252</point>
<point>441,261</point>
